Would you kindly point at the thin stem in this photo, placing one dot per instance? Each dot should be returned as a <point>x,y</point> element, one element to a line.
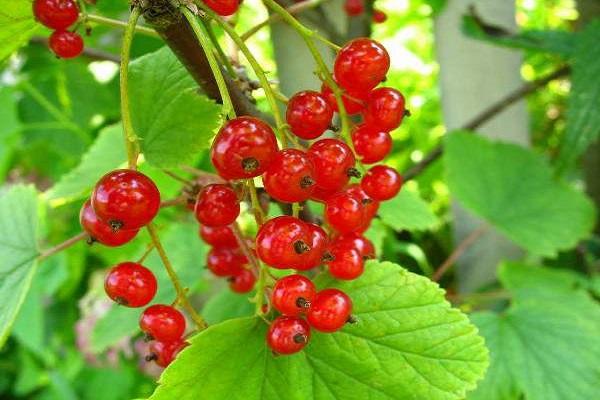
<point>296,207</point>
<point>131,140</point>
<point>244,247</point>
<point>207,46</point>
<point>259,215</point>
<point>181,291</point>
<point>149,249</point>
<point>115,23</point>
<point>62,246</point>
<point>223,59</point>
<point>460,249</point>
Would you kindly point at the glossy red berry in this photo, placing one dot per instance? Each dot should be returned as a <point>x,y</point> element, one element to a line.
<point>130,284</point>
<point>385,109</point>
<point>347,263</point>
<point>318,242</point>
<point>344,212</point>
<point>100,231</point>
<point>288,335</point>
<point>308,114</point>
<point>66,44</point>
<point>354,101</point>
<point>321,195</point>
<point>163,323</point>
<point>355,241</point>
<point>371,143</point>
<point>334,163</point>
<point>56,14</point>
<point>290,176</point>
<point>293,294</point>
<point>282,242</point>
<point>361,65</point>
<point>379,17</point>
<point>219,236</point>
<point>243,148</point>
<point>163,353</point>
<point>126,199</point>
<point>354,7</point>
<point>242,281</point>
<point>381,183</point>
<point>330,310</point>
<point>224,8</point>
<point>371,206</point>
<point>225,261</point>
<point>217,205</point>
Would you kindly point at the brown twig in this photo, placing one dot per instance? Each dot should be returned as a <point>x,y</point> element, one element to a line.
<point>458,251</point>
<point>63,246</point>
<point>89,52</point>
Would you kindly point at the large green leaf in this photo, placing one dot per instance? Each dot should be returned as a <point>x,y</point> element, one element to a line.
<point>583,118</point>
<point>173,120</point>
<point>408,343</point>
<point>407,211</point>
<point>513,189</point>
<point>227,305</point>
<point>17,25</point>
<point>546,346</point>
<point>18,251</point>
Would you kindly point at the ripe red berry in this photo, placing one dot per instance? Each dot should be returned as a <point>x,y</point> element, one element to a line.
<point>130,284</point>
<point>163,353</point>
<point>379,17</point>
<point>242,281</point>
<point>100,231</point>
<point>163,323</point>
<point>289,177</point>
<point>381,183</point>
<point>329,310</point>
<point>56,14</point>
<point>361,65</point>
<point>66,44</point>
<point>354,7</point>
<point>126,199</point>
<point>292,294</point>
<point>308,114</point>
<point>220,236</point>
<point>355,241</point>
<point>344,212</point>
<point>288,335</point>
<point>321,195</point>
<point>282,242</point>
<point>217,205</point>
<point>347,263</point>
<point>224,8</point>
<point>385,109</point>
<point>354,102</point>
<point>371,143</point>
<point>334,163</point>
<point>371,206</point>
<point>243,148</point>
<point>317,242</point>
<point>225,261</point>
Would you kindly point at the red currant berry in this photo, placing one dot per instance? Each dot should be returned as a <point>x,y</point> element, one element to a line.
<point>361,65</point>
<point>56,14</point>
<point>224,8</point>
<point>334,163</point>
<point>225,261</point>
<point>344,212</point>
<point>292,294</point>
<point>355,241</point>
<point>321,195</point>
<point>381,183</point>
<point>130,284</point>
<point>329,310</point>
<point>288,335</point>
<point>217,205</point>
<point>163,353</point>
<point>243,148</point>
<point>242,281</point>
<point>66,44</point>
<point>308,114</point>
<point>126,199</point>
<point>282,242</point>
<point>163,323</point>
<point>100,231</point>
<point>347,263</point>
<point>385,109</point>
<point>371,143</point>
<point>379,17</point>
<point>289,177</point>
<point>318,242</point>
<point>354,8</point>
<point>371,206</point>
<point>220,236</point>
<point>354,102</point>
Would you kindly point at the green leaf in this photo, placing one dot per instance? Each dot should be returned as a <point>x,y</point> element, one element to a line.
<point>408,343</point>
<point>546,346</point>
<point>17,25</point>
<point>173,121</point>
<point>105,154</point>
<point>407,211</point>
<point>583,118</point>
<point>9,129</point>
<point>513,189</point>
<point>227,305</point>
<point>18,251</point>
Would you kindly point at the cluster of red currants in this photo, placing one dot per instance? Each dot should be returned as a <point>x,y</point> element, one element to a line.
<point>355,8</point>
<point>60,15</point>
